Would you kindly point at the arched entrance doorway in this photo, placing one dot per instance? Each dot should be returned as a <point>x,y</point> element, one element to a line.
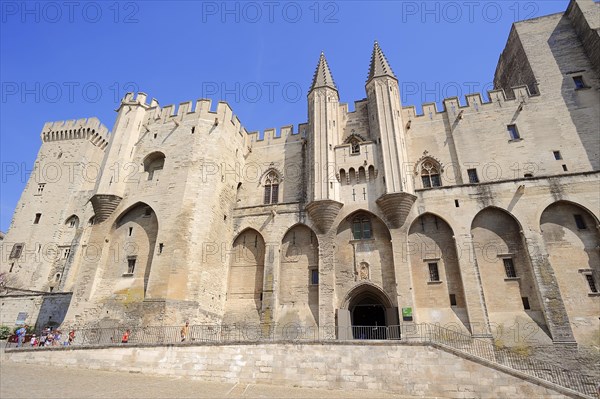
<point>368,319</point>
<point>367,313</point>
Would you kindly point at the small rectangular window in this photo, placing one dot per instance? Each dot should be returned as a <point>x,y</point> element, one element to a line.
<point>16,251</point>
<point>473,178</point>
<point>40,189</point>
<point>38,216</point>
<point>66,253</point>
<point>591,283</point>
<point>452,300</point>
<point>130,264</point>
<point>565,168</point>
<point>509,268</point>
<point>434,274</point>
<point>130,231</point>
<point>579,83</point>
<point>525,303</point>
<point>513,132</point>
<point>557,155</point>
<point>579,222</point>
<point>314,277</point>
<point>456,203</point>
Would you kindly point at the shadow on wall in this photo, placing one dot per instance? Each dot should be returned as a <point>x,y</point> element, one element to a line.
<point>53,310</point>
<point>582,103</point>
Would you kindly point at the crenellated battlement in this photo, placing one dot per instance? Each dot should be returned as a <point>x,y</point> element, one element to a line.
<point>77,129</point>
<point>188,110</point>
<point>474,102</point>
<point>284,135</point>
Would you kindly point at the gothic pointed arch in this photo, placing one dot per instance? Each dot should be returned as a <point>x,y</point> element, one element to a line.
<point>245,278</point>
<point>572,240</point>
<point>271,180</point>
<point>363,239</point>
<point>507,279</point>
<point>430,170</point>
<point>298,277</point>
<point>438,289</point>
<point>132,241</point>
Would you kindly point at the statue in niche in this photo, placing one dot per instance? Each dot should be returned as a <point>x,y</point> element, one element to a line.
<point>363,271</point>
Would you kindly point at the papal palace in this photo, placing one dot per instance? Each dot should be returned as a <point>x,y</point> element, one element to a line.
<point>480,214</point>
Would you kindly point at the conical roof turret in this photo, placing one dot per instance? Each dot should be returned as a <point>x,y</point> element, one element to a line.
<point>323,77</point>
<point>379,64</point>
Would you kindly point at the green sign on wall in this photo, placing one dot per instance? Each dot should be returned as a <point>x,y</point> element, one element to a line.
<point>407,314</point>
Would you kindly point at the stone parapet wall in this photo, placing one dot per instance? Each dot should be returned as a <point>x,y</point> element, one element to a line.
<point>402,368</point>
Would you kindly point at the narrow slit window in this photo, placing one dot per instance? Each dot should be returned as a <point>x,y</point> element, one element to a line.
<point>565,168</point>
<point>591,283</point>
<point>525,303</point>
<point>38,216</point>
<point>130,265</point>
<point>509,268</point>
<point>314,277</point>
<point>579,222</point>
<point>513,132</point>
<point>557,155</point>
<point>452,300</point>
<point>16,251</point>
<point>579,83</point>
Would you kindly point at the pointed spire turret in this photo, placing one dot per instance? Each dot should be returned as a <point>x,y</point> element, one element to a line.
<point>379,64</point>
<point>323,77</point>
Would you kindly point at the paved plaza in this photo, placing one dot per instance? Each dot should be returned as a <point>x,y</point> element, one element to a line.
<point>19,380</point>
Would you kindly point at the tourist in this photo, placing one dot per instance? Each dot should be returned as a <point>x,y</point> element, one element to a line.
<point>21,335</point>
<point>185,331</point>
<point>125,338</point>
<point>33,342</point>
<point>42,341</point>
<point>71,337</point>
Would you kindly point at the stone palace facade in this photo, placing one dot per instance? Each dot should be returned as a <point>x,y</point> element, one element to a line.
<point>482,215</point>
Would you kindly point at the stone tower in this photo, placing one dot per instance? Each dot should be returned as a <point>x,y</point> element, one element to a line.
<point>323,136</point>
<point>388,128</point>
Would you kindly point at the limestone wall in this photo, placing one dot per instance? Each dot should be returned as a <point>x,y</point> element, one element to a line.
<point>405,369</point>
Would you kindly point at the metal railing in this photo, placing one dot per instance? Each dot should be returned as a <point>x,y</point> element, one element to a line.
<point>480,348</point>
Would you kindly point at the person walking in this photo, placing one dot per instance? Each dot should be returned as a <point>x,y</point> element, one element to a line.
<point>185,331</point>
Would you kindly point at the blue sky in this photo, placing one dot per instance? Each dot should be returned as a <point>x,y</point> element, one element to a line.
<point>69,60</point>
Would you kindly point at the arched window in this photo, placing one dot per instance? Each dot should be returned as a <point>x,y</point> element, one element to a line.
<point>154,163</point>
<point>354,147</point>
<point>342,177</point>
<point>430,174</point>
<point>361,228</point>
<point>271,188</point>
<point>73,222</point>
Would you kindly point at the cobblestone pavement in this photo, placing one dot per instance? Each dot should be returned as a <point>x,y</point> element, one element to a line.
<point>19,380</point>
